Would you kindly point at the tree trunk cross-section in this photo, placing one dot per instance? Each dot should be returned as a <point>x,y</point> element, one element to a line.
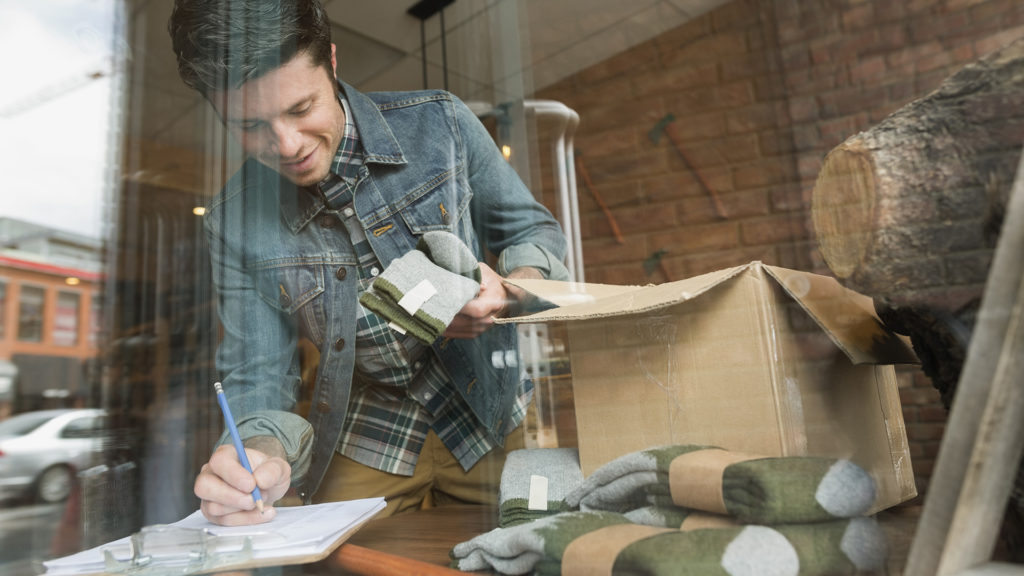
<point>911,206</point>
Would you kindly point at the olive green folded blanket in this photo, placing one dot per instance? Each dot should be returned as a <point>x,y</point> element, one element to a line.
<point>753,489</point>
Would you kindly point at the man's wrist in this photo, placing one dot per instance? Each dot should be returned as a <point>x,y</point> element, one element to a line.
<point>269,445</point>
<point>517,297</point>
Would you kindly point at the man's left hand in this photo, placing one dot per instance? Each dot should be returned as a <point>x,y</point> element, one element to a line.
<point>493,301</point>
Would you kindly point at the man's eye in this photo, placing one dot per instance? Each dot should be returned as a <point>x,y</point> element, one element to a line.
<point>302,111</point>
<point>249,126</point>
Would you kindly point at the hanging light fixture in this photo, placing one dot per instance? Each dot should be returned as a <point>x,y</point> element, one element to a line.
<point>425,9</point>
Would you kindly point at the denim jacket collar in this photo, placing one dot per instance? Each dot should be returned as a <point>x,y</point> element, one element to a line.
<point>379,147</point>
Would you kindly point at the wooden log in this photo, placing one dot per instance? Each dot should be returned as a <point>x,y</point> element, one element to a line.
<point>912,206</point>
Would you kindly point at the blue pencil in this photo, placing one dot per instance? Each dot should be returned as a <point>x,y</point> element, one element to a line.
<point>230,422</point>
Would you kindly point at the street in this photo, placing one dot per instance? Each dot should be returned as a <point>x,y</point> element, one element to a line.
<point>26,536</point>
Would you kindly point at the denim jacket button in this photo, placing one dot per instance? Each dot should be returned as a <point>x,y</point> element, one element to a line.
<point>339,344</point>
<point>323,407</point>
<point>285,301</point>
<point>327,221</point>
<point>341,273</point>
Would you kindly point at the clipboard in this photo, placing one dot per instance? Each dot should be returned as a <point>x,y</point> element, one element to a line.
<point>297,535</point>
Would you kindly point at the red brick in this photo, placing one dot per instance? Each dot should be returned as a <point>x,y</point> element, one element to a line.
<point>639,57</point>
<point>795,57</point>
<point>925,431</point>
<point>773,230</point>
<point>615,114</point>
<point>708,48</point>
<point>904,379</point>
<point>674,78</point>
<point>786,198</point>
<point>941,60</point>
<point>690,239</point>
<point>701,209</point>
<point>607,251</point>
<point>698,126</point>
<point>743,66</point>
<point>731,150</point>
<point>616,140</point>
<point>776,143</point>
<point>808,166</point>
<point>923,468</point>
<point>735,14</point>
<point>918,396</point>
<point>637,221</point>
<point>680,36</point>
<point>909,414</point>
<point>997,41</point>
<point>933,413</point>
<point>723,96</point>
<point>803,108</point>
<point>870,69</point>
<point>762,174</point>
<point>631,274</point>
<point>599,94</point>
<point>753,119</point>
<point>698,264</point>
<point>807,137</point>
<point>858,17</point>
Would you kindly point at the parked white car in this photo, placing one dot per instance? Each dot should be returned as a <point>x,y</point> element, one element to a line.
<point>40,452</point>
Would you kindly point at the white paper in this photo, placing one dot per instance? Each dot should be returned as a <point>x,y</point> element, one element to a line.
<point>296,531</point>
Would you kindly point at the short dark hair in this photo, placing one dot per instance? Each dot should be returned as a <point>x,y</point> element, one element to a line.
<point>221,44</point>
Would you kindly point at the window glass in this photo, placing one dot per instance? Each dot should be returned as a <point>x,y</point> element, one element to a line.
<point>152,244</point>
<point>30,314</point>
<point>65,319</point>
<point>85,427</point>
<point>3,307</point>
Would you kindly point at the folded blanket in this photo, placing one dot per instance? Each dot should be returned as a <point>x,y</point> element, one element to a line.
<point>753,489</point>
<point>421,292</point>
<point>588,542</point>
<point>560,468</point>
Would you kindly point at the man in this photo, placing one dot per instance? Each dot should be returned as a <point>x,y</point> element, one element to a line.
<point>338,184</point>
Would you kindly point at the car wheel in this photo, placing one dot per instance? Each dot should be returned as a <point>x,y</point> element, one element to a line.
<point>54,484</point>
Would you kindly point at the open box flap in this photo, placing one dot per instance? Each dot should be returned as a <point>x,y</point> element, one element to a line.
<point>846,316</point>
<point>588,301</point>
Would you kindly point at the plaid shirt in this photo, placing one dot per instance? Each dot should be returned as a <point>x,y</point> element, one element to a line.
<point>399,387</point>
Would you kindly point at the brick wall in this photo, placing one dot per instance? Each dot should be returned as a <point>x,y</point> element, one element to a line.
<point>760,91</point>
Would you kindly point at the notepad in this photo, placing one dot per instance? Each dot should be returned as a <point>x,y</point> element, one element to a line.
<point>297,535</point>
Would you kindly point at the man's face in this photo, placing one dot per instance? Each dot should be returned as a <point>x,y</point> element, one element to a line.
<point>289,119</point>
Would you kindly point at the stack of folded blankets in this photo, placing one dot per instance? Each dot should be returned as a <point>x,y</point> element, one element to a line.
<point>420,292</point>
<point>689,510</point>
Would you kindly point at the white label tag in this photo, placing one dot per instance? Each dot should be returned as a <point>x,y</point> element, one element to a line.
<point>415,298</point>
<point>396,328</point>
<point>538,493</point>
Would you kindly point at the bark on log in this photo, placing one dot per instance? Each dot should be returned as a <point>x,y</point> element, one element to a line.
<point>909,210</point>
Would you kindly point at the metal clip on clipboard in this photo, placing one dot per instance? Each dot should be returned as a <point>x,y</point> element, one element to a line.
<point>165,550</point>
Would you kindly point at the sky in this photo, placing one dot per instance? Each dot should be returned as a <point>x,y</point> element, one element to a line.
<point>53,153</point>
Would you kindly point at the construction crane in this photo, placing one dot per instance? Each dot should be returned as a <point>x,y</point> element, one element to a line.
<point>50,93</point>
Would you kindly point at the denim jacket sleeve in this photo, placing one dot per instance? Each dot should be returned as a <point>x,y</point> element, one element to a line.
<point>512,224</point>
<point>257,355</point>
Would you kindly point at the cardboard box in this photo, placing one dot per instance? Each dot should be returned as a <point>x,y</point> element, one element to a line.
<point>754,358</point>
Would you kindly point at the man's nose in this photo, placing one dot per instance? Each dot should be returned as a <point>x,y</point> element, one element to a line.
<point>285,140</point>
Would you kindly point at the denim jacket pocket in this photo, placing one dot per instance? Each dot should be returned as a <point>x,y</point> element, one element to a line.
<point>440,208</point>
<point>289,287</point>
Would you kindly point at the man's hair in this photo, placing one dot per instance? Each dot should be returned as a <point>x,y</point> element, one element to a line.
<point>221,44</point>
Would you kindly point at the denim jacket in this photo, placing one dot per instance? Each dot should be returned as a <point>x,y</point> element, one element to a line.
<point>281,273</point>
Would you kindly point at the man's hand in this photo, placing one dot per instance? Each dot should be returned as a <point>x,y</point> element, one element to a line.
<point>493,301</point>
<point>225,486</point>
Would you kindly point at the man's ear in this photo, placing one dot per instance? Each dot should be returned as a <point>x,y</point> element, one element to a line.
<point>334,60</point>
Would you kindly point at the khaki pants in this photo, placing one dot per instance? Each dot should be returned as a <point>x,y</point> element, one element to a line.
<point>437,481</point>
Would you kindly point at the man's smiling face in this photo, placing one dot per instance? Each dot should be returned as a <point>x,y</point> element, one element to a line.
<point>289,119</point>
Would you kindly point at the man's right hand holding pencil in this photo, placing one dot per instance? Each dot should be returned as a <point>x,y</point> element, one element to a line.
<point>225,486</point>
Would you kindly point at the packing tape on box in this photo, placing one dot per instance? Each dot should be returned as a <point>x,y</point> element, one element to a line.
<point>695,478</point>
<point>699,521</point>
<point>594,553</point>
